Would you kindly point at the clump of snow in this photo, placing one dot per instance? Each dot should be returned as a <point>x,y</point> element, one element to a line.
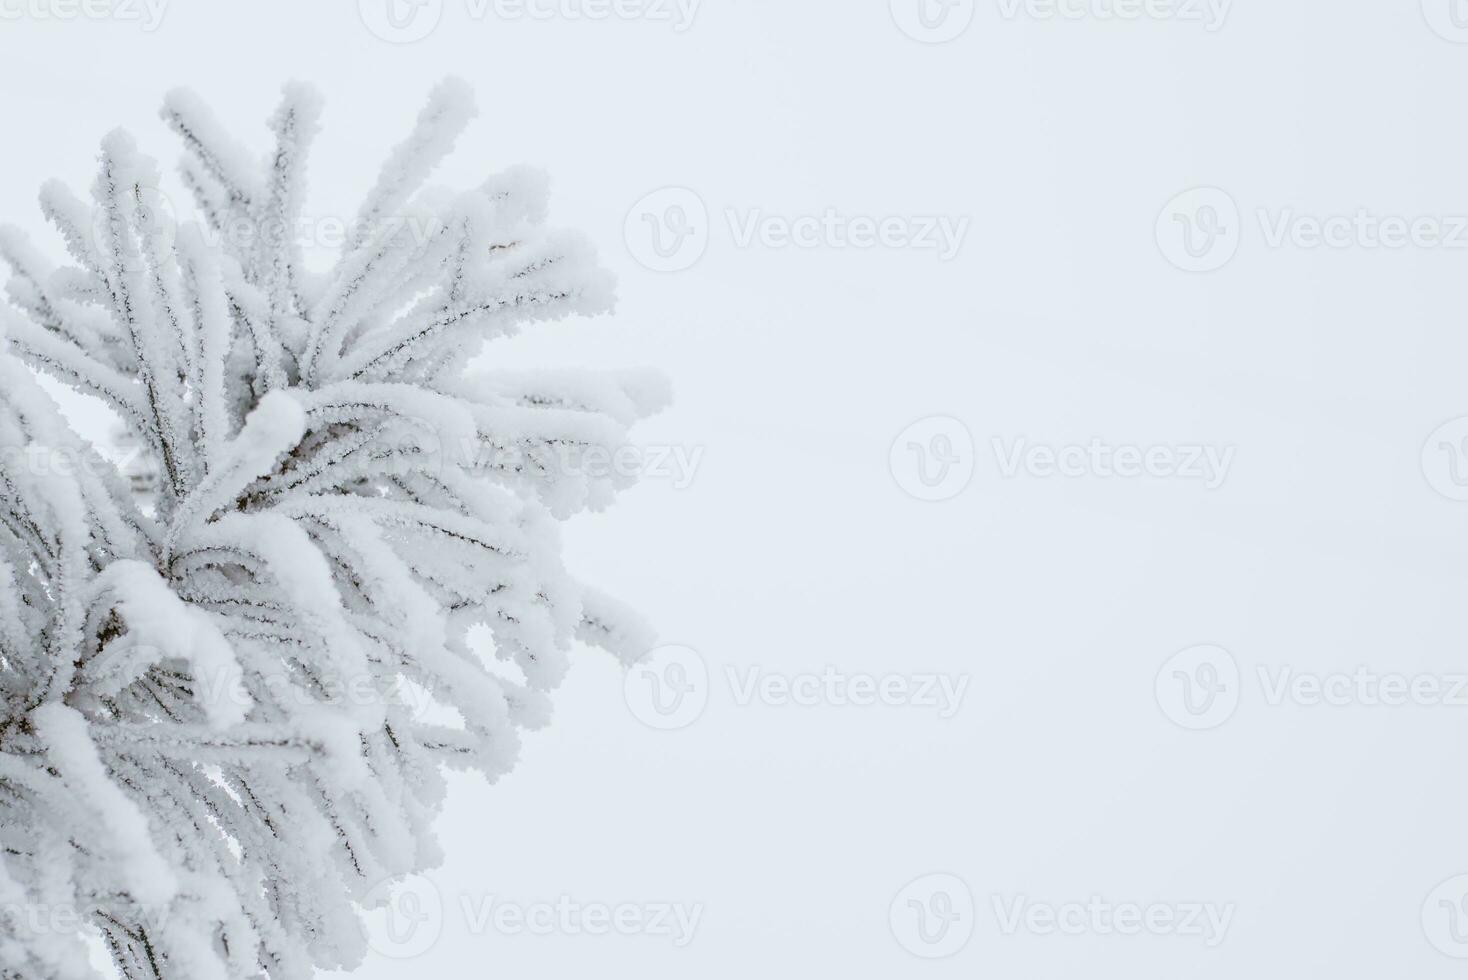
<point>231,683</point>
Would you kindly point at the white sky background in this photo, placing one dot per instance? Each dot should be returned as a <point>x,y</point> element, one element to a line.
<point>794,548</point>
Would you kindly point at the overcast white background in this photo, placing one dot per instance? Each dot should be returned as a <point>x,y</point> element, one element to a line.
<point>1325,828</point>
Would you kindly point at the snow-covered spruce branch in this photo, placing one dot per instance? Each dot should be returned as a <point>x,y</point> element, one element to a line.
<point>213,742</point>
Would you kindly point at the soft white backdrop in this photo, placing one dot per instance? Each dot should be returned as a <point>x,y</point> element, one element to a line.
<point>1059,598</point>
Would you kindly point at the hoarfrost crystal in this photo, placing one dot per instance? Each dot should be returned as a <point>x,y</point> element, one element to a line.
<point>215,664</point>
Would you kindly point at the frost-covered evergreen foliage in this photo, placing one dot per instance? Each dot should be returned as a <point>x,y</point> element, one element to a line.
<point>233,675</point>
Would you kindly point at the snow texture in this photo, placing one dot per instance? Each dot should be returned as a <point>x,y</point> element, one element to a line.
<point>214,742</point>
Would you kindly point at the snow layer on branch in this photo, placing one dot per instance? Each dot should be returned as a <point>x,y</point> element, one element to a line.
<point>124,831</point>
<point>229,693</point>
<point>160,627</point>
<point>449,109</point>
